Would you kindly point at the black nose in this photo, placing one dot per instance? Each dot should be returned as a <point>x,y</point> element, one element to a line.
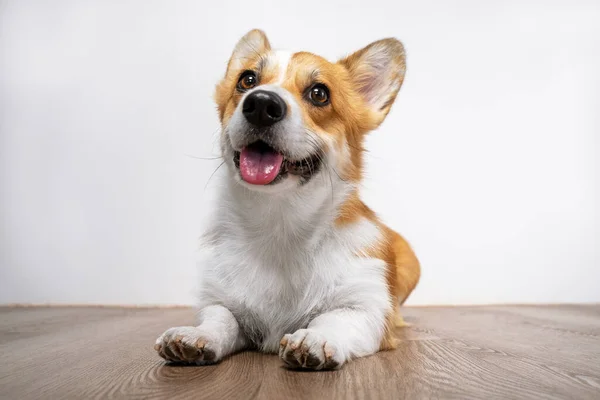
<point>263,108</point>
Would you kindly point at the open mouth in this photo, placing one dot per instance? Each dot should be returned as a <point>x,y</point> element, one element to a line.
<point>260,164</point>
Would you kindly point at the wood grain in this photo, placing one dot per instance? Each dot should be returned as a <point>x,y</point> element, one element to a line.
<point>492,352</point>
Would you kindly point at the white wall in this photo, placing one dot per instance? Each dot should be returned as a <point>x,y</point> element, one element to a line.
<point>487,163</point>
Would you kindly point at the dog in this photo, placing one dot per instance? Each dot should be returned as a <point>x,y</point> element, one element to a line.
<point>294,263</point>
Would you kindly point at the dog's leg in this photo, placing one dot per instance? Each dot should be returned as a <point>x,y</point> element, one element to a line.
<point>333,338</point>
<point>217,336</point>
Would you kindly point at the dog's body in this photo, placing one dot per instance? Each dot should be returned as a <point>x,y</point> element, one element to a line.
<point>293,261</point>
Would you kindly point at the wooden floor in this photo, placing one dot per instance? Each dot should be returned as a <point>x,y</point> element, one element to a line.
<point>454,352</point>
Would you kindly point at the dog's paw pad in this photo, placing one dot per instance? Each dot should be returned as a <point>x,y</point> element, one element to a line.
<point>185,345</point>
<point>309,349</point>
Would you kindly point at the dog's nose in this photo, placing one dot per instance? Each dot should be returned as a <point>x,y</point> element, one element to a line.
<point>262,108</point>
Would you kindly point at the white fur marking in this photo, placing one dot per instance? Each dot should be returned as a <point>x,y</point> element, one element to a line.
<point>283,60</point>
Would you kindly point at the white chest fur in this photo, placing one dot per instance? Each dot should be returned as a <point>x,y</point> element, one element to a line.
<point>275,265</point>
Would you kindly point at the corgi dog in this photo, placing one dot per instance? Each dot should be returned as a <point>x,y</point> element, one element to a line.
<point>294,263</point>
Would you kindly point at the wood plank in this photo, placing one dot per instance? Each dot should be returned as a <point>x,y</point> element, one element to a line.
<point>537,352</point>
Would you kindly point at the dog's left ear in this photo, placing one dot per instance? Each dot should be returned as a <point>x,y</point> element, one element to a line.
<point>377,72</point>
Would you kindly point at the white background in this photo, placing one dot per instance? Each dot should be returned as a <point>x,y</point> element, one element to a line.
<point>487,162</point>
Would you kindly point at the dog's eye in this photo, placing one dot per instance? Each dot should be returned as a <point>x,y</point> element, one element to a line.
<point>319,95</point>
<point>247,81</point>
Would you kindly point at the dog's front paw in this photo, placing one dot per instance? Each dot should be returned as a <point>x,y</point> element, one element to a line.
<point>186,344</point>
<point>307,348</point>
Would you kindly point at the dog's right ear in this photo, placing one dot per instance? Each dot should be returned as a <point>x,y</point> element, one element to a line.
<point>252,45</point>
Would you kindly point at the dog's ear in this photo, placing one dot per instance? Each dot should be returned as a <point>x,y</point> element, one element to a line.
<point>252,45</point>
<point>377,72</point>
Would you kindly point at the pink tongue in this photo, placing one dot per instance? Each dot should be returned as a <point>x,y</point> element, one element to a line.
<point>259,167</point>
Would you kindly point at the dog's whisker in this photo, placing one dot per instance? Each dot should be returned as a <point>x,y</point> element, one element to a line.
<point>314,136</point>
<point>213,173</point>
<point>204,158</point>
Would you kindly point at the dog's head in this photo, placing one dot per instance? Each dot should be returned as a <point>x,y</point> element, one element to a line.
<point>289,117</point>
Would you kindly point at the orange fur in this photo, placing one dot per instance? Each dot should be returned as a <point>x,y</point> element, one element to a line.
<point>403,267</point>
